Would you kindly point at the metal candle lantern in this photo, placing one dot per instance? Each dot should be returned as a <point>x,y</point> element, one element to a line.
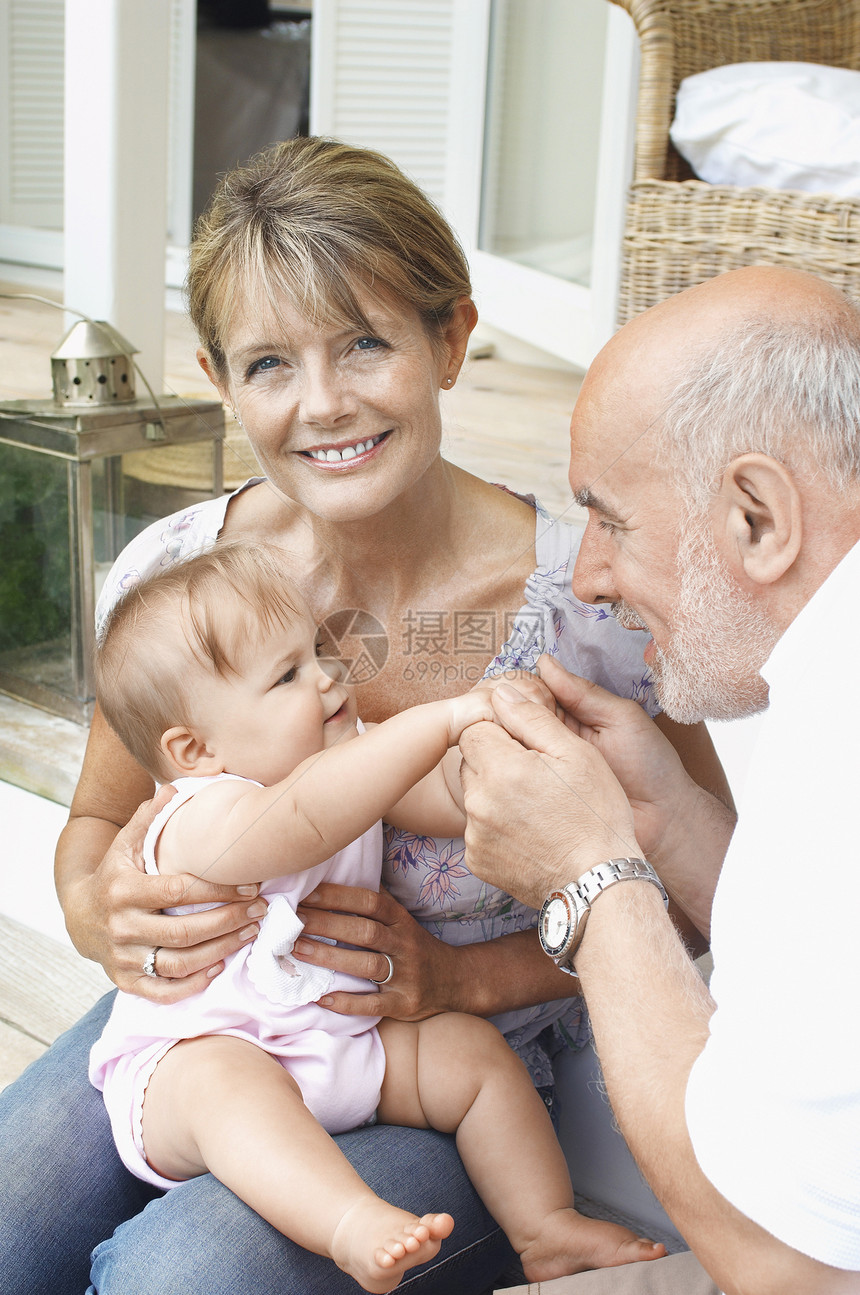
<point>80,475</point>
<point>93,365</point>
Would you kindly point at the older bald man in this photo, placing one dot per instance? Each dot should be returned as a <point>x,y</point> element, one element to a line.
<point>716,447</point>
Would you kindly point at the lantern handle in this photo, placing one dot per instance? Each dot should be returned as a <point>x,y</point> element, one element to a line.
<point>105,328</point>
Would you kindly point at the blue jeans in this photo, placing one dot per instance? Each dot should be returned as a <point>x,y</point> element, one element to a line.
<point>64,1191</point>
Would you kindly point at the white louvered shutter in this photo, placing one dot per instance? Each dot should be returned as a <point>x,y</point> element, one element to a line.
<point>180,143</point>
<point>382,75</point>
<point>31,113</point>
<point>32,40</point>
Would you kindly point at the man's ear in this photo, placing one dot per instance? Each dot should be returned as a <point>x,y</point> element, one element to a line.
<point>762,517</point>
<point>188,754</point>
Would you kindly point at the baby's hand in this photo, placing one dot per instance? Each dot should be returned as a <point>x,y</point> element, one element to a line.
<point>526,682</point>
<point>470,708</point>
<point>474,706</point>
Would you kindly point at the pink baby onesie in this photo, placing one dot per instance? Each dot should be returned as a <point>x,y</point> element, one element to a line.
<point>262,995</point>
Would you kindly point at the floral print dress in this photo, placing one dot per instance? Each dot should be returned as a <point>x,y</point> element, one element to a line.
<point>428,875</point>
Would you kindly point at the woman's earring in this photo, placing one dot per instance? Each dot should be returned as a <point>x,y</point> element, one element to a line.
<point>449,382</point>
<point>237,418</point>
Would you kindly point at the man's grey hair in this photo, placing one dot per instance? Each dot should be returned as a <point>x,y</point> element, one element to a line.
<point>789,390</point>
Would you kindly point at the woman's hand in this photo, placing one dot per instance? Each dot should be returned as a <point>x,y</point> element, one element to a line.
<point>428,976</point>
<point>424,980</point>
<point>114,916</point>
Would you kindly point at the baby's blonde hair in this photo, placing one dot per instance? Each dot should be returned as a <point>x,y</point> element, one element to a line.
<point>171,622</point>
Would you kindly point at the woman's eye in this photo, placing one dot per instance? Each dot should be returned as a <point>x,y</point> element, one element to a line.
<point>289,676</point>
<point>369,343</point>
<point>268,363</point>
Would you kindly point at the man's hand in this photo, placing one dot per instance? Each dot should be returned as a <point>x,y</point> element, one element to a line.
<point>529,684</point>
<point>641,757</point>
<point>543,805</point>
<point>476,705</point>
<point>681,828</point>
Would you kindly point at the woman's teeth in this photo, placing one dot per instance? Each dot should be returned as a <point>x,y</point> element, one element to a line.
<point>348,452</point>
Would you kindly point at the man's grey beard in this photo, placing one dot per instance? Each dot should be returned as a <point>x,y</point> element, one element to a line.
<point>720,638</point>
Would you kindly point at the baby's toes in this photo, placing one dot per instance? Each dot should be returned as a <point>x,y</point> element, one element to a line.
<point>388,1255</point>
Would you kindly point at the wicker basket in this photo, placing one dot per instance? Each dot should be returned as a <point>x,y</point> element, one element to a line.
<point>679,230</point>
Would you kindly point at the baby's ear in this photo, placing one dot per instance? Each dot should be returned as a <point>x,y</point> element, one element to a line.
<point>188,754</point>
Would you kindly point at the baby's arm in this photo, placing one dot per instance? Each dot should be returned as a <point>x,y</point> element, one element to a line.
<point>234,831</point>
<point>434,806</point>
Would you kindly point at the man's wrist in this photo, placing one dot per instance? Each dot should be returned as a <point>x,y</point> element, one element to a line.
<point>565,912</point>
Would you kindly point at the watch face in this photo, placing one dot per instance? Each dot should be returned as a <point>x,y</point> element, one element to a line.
<point>555,922</point>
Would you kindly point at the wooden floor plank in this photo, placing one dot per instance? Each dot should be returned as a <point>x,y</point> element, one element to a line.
<point>44,987</point>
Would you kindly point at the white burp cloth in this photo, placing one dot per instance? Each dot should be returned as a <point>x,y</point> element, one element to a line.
<point>272,970</point>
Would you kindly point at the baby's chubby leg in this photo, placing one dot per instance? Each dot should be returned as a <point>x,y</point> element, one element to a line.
<point>222,1105</point>
<point>457,1074</point>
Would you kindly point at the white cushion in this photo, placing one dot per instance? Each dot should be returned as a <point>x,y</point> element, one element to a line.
<point>782,125</point>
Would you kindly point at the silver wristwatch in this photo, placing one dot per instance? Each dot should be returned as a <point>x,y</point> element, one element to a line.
<point>565,912</point>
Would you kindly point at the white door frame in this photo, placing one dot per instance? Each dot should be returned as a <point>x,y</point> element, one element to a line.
<point>115,210</point>
<point>565,319</point>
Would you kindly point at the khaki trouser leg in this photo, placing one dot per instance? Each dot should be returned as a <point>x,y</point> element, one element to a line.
<point>677,1275</point>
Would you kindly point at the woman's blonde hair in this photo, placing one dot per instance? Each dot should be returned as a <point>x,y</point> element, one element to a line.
<point>173,619</point>
<point>318,220</point>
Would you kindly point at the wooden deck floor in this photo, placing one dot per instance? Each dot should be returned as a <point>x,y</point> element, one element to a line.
<point>44,988</point>
<point>505,422</point>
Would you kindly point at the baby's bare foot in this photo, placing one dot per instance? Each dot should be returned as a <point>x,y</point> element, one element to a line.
<point>568,1242</point>
<point>376,1243</point>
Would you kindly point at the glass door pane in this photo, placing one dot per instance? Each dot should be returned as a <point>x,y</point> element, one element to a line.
<point>545,82</point>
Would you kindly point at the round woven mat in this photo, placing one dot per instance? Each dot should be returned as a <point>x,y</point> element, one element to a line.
<point>189,467</point>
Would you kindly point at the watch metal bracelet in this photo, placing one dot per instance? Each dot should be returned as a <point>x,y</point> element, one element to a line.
<point>564,915</point>
<point>602,875</point>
